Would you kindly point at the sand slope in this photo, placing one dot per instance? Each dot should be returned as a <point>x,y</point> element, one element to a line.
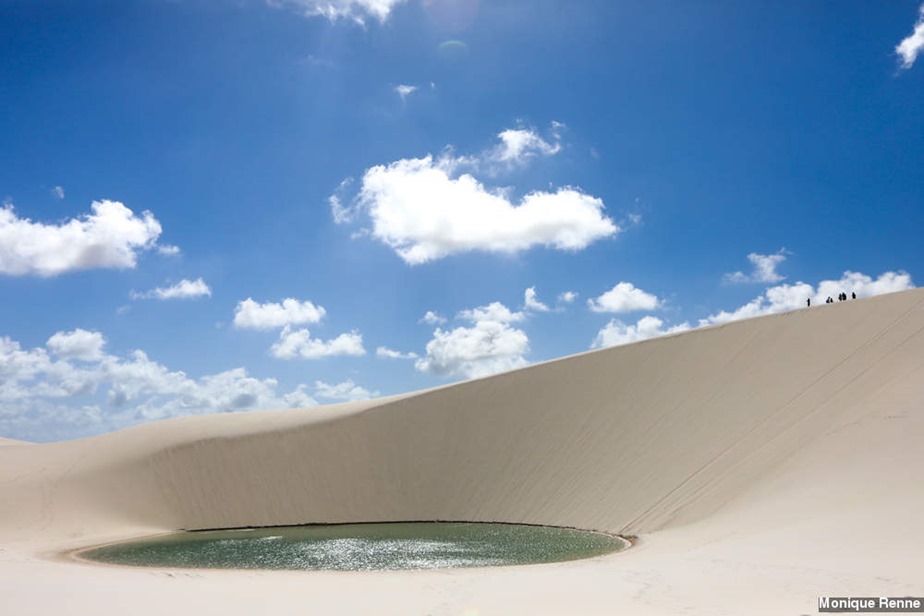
<point>770,460</point>
<point>8,441</point>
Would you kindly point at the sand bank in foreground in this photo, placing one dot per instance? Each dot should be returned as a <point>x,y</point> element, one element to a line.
<point>762,464</point>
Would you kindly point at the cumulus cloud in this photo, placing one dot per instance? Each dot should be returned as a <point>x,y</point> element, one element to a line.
<point>567,297</point>
<point>789,297</point>
<point>57,192</point>
<point>518,145</point>
<point>616,332</point>
<point>424,214</point>
<point>254,315</point>
<point>866,286</point>
<point>763,269</point>
<point>354,10</point>
<point>298,343</point>
<point>489,346</point>
<point>773,300</point>
<point>531,301</point>
<point>486,348</point>
<point>77,344</point>
<point>387,353</point>
<point>624,297</point>
<point>168,251</point>
<point>184,289</point>
<point>72,387</point>
<point>298,398</point>
<point>404,91</point>
<point>912,45</point>
<point>432,318</point>
<point>428,208</point>
<point>346,391</point>
<point>295,343</point>
<point>110,237</point>
<point>495,311</point>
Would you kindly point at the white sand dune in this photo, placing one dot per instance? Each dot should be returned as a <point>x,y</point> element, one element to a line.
<point>9,441</point>
<point>762,464</point>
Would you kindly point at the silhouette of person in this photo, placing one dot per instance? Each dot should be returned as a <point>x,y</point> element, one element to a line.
<point>808,302</point>
<point>854,294</point>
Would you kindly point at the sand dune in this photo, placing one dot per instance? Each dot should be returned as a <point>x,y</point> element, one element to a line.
<point>762,464</point>
<point>8,441</point>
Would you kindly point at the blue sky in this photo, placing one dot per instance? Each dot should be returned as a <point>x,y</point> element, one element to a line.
<point>214,206</point>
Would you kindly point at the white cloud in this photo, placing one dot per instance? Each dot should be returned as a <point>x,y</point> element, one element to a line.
<point>86,390</point>
<point>298,398</point>
<point>776,299</point>
<point>624,297</point>
<point>866,286</point>
<point>110,237</point>
<point>298,343</point>
<point>168,250</point>
<point>139,377</point>
<point>295,343</point>
<point>392,354</point>
<point>786,297</point>
<point>531,301</point>
<point>912,45</point>
<point>57,192</point>
<point>494,311</point>
<point>518,145</point>
<point>77,344</point>
<point>184,289</point>
<point>432,318</point>
<point>342,214</point>
<point>470,352</point>
<point>404,91</point>
<point>355,10</point>
<point>253,315</point>
<point>18,365</point>
<point>347,390</point>
<point>567,297</point>
<point>489,346</point>
<point>616,332</point>
<point>423,214</point>
<point>426,209</point>
<point>763,270</point>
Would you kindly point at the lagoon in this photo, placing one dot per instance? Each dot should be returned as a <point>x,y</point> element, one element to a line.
<point>361,547</point>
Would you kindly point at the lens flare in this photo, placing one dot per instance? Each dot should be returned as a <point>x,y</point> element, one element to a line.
<point>453,50</point>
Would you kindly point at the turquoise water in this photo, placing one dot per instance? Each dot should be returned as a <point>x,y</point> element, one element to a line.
<point>362,547</point>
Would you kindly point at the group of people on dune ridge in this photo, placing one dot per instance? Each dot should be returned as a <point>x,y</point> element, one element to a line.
<point>841,297</point>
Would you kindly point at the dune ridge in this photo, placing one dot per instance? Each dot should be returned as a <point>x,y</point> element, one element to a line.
<point>711,445</point>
